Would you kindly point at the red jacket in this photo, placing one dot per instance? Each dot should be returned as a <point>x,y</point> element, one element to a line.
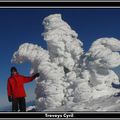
<point>15,85</point>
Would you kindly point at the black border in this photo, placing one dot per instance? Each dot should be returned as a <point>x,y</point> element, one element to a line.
<point>58,4</point>
<point>32,115</point>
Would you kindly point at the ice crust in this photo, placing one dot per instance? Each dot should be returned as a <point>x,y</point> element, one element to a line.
<point>68,74</point>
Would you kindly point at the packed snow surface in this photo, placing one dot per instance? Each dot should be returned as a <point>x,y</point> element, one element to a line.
<point>68,75</point>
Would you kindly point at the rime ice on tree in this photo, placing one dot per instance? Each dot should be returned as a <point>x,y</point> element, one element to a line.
<point>67,74</point>
<point>63,46</point>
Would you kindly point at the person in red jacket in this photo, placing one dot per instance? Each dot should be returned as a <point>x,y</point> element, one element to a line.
<point>16,91</point>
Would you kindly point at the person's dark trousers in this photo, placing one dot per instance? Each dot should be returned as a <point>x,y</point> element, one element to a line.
<point>18,103</point>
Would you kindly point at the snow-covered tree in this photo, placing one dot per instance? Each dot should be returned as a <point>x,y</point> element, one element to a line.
<point>67,74</point>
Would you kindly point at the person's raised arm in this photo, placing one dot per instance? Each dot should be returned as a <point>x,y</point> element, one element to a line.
<point>29,79</point>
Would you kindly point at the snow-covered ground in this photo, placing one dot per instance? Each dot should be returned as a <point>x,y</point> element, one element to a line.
<point>31,109</point>
<point>107,103</point>
<point>70,79</point>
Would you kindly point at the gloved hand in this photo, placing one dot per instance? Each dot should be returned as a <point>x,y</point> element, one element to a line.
<point>9,98</point>
<point>36,75</point>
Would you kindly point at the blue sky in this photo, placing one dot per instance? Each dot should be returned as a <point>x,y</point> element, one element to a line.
<point>18,26</point>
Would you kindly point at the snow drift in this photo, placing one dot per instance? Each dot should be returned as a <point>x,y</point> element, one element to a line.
<point>67,74</point>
